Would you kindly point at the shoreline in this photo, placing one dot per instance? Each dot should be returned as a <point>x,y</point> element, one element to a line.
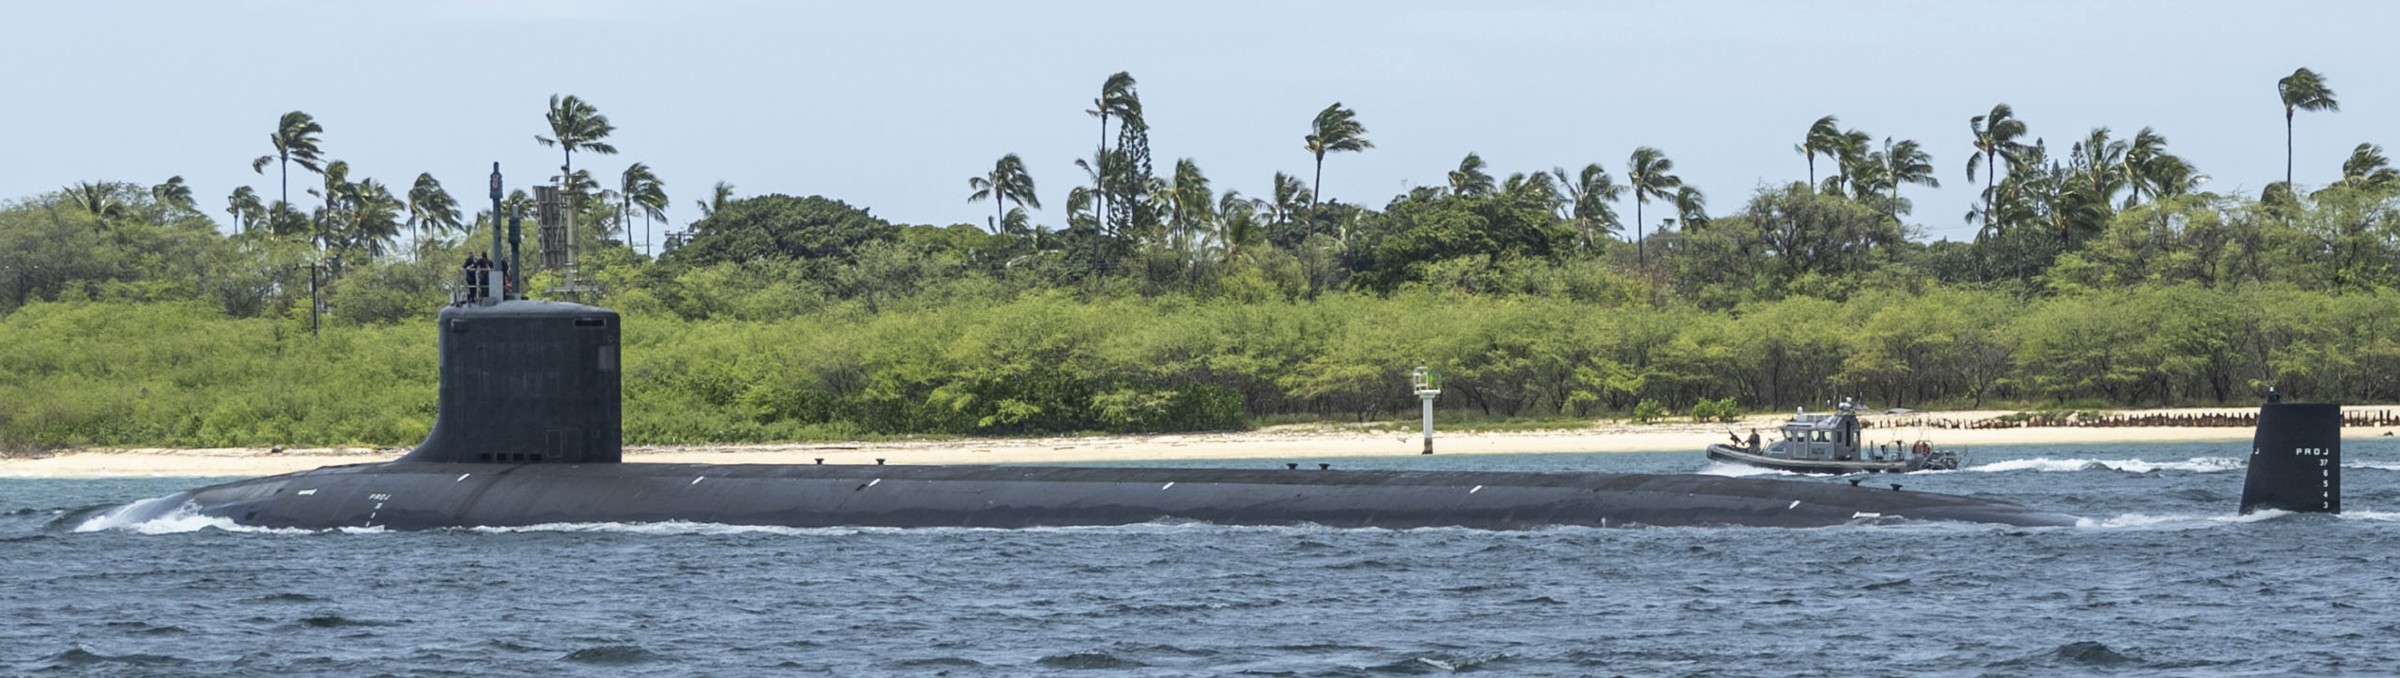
<point>1304,444</point>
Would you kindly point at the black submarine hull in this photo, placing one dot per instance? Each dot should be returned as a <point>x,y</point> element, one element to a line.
<point>417,495</point>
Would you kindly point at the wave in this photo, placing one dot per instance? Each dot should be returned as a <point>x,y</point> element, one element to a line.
<point>2135,465</point>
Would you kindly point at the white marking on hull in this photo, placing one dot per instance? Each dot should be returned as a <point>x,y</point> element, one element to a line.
<point>871,483</point>
<point>1795,504</point>
<point>305,493</point>
<point>696,481</point>
<point>462,477</point>
<point>1163,488</point>
<point>1478,488</point>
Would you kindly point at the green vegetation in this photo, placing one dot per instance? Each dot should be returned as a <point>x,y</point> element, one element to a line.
<point>2101,277</point>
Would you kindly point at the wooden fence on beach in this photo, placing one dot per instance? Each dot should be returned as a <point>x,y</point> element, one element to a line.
<point>2350,418</point>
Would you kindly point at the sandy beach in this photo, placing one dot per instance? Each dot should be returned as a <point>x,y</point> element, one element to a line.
<point>1305,444</point>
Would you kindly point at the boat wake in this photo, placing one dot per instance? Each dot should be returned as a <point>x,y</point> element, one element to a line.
<point>2049,465</point>
<point>1733,470</point>
<point>2205,520</point>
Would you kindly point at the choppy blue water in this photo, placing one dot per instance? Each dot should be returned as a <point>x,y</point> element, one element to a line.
<point>2163,579</point>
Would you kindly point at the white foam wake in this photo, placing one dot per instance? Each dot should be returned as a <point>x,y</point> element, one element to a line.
<point>185,517</point>
<point>2136,465</point>
<point>1733,470</point>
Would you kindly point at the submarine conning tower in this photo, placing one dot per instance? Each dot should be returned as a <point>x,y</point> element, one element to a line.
<point>527,382</point>
<point>2295,458</point>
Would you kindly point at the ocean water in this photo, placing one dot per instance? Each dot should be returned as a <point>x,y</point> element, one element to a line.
<point>2163,578</point>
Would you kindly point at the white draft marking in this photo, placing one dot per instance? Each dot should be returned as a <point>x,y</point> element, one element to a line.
<point>871,483</point>
<point>1164,487</point>
<point>1795,504</point>
<point>462,477</point>
<point>696,481</point>
<point>305,493</point>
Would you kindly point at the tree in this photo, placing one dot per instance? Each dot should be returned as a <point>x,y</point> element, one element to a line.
<point>99,199</point>
<point>1589,196</point>
<point>245,208</point>
<point>174,195</point>
<point>1820,140</point>
<point>431,208</point>
<point>719,195</point>
<point>1116,98</point>
<point>2367,167</point>
<point>2143,159</point>
<point>781,227</point>
<point>295,138</point>
<point>1335,129</point>
<point>575,125</point>
<point>1906,163</point>
<point>1691,208</point>
<point>1006,183</point>
<point>1996,136</point>
<point>1469,178</point>
<point>2303,90</point>
<point>639,187</point>
<point>1190,205</point>
<point>373,219</point>
<point>1649,174</point>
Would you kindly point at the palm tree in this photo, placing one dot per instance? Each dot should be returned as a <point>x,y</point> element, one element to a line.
<point>373,221</point>
<point>1818,142</point>
<point>1290,196</point>
<point>2303,90</point>
<point>1849,152</point>
<point>2369,167</point>
<point>100,199</point>
<point>1469,178</point>
<point>1008,182</point>
<point>295,138</point>
<point>632,185</point>
<point>1691,208</point>
<point>244,206</point>
<point>1906,163</point>
<point>1996,136</point>
<point>575,125</point>
<point>2147,150</point>
<point>1589,194</point>
<point>718,197</point>
<point>1335,129</point>
<point>644,190</point>
<point>1116,98</point>
<point>174,194</point>
<point>1649,174</point>
<point>430,207</point>
<point>336,191</point>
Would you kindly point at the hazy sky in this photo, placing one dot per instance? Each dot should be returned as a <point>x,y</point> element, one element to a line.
<point>892,105</point>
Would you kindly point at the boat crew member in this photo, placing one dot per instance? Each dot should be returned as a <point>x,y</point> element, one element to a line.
<point>1754,440</point>
<point>468,270</point>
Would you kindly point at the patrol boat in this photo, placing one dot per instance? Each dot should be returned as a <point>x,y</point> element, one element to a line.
<point>1831,443</point>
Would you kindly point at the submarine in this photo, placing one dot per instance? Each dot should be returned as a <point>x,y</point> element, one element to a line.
<point>528,427</point>
<point>528,430</point>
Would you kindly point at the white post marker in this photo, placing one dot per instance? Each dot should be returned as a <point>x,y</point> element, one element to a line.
<point>1423,381</point>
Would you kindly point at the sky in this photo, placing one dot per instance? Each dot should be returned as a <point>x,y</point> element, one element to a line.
<point>891,106</point>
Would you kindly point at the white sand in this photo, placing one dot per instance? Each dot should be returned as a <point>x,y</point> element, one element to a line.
<point>1282,444</point>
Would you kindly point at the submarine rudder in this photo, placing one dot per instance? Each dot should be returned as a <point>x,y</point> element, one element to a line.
<point>2295,458</point>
